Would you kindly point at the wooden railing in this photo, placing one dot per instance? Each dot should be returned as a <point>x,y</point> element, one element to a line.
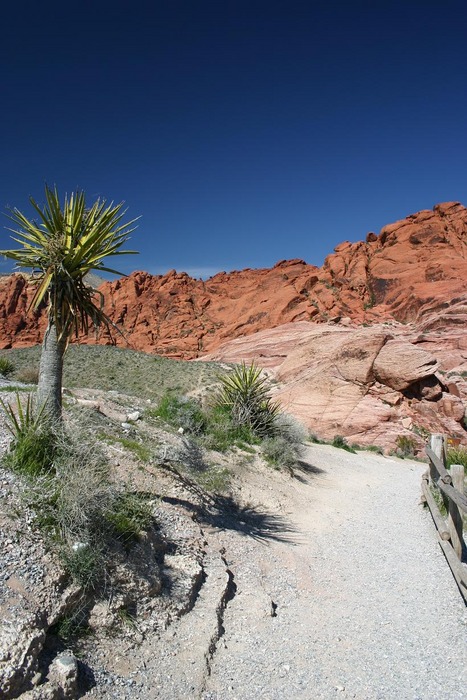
<point>449,487</point>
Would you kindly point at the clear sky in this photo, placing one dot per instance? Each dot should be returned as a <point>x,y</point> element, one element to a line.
<point>242,131</point>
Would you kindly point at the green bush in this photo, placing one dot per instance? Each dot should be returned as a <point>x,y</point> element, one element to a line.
<point>129,515</point>
<point>180,412</point>
<point>457,455</point>
<point>244,394</point>
<point>32,453</point>
<point>342,444</point>
<point>28,375</point>
<point>32,450</point>
<point>280,452</point>
<point>6,366</point>
<point>221,432</point>
<point>84,564</point>
<point>406,446</point>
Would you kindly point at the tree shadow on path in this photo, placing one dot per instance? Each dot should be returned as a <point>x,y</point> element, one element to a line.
<point>224,513</point>
<point>303,469</point>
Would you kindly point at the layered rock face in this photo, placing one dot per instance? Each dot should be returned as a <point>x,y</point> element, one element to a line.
<point>369,346</point>
<point>368,384</point>
<point>414,270</point>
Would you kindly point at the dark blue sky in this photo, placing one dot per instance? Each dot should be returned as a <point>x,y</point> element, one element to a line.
<point>243,132</point>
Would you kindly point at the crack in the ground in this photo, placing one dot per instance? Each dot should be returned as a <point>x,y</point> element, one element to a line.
<point>228,595</point>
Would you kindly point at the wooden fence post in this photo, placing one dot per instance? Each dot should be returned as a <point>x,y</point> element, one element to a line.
<point>455,522</point>
<point>437,445</point>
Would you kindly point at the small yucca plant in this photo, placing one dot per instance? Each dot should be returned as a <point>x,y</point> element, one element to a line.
<point>33,447</point>
<point>24,419</point>
<point>6,367</point>
<point>245,394</point>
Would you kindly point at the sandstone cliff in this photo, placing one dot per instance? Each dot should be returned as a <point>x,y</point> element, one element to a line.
<point>413,270</point>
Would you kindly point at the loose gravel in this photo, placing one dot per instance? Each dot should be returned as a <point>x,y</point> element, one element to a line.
<point>363,605</point>
<point>331,584</point>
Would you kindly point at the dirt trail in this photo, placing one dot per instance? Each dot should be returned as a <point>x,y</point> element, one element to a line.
<point>355,601</point>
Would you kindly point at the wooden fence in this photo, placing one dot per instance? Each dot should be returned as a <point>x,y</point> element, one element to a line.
<point>449,486</point>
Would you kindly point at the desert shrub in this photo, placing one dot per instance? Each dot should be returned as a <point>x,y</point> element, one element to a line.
<point>180,412</point>
<point>81,512</point>
<point>84,564</point>
<point>28,375</point>
<point>222,432</point>
<point>285,448</point>
<point>457,455</point>
<point>290,428</point>
<point>374,448</point>
<point>129,515</point>
<point>245,396</point>
<point>32,449</point>
<point>342,444</point>
<point>406,446</point>
<point>71,625</point>
<point>6,366</point>
<point>280,452</point>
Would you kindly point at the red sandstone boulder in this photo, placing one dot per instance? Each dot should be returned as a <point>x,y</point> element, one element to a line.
<point>399,365</point>
<point>328,379</point>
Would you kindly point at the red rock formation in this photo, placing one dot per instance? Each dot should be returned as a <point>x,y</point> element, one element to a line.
<point>369,384</point>
<point>412,271</point>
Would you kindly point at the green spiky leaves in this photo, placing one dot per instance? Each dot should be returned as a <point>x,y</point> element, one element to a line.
<point>61,248</point>
<point>245,394</point>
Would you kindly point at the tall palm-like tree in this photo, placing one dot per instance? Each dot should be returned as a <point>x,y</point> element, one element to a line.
<point>61,248</point>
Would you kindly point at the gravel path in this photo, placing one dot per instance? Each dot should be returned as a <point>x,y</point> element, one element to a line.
<point>360,605</point>
<point>331,585</point>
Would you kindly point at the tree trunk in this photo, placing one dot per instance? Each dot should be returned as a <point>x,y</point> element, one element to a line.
<point>49,390</point>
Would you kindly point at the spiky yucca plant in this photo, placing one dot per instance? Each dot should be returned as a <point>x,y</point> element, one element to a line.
<point>61,248</point>
<point>245,394</point>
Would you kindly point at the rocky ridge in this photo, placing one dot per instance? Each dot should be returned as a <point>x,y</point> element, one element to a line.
<point>412,271</point>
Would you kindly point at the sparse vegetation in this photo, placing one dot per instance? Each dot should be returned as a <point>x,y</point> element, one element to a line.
<point>81,512</point>
<point>342,444</point>
<point>421,431</point>
<point>406,446</point>
<point>457,455</point>
<point>28,375</point>
<point>141,450</point>
<point>6,366</point>
<point>244,396</point>
<point>180,412</point>
<point>131,372</point>
<point>373,448</point>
